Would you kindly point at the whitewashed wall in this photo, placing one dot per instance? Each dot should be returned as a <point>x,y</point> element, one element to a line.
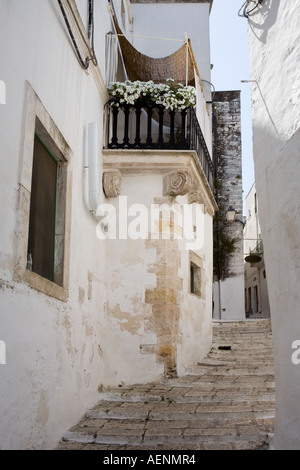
<point>54,361</point>
<point>58,354</point>
<point>255,274</point>
<point>274,39</point>
<point>151,312</point>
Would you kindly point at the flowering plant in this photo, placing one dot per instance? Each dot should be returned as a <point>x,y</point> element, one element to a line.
<point>170,95</point>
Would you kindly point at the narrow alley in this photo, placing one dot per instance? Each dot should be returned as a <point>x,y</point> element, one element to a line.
<point>226,402</point>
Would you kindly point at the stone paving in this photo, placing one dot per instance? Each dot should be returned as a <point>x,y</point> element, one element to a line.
<point>226,402</point>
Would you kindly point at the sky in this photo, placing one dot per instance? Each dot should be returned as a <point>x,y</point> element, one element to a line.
<point>230,59</point>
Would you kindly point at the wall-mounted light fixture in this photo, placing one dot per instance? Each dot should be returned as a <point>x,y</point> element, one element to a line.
<point>230,216</point>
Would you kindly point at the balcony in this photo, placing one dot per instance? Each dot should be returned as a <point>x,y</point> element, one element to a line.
<point>258,250</point>
<point>256,255</point>
<point>153,127</point>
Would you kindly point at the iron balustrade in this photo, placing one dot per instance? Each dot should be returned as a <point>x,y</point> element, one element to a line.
<point>259,249</point>
<point>155,127</point>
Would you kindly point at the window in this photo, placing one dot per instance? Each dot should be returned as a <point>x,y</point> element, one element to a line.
<point>192,279</point>
<point>195,274</point>
<point>42,223</point>
<point>43,236</point>
<point>249,300</point>
<point>255,299</point>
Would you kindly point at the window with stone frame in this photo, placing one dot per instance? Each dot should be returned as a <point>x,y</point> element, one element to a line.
<point>195,279</point>
<point>44,255</point>
<point>45,203</point>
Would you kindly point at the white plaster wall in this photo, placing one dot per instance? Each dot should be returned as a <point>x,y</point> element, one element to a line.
<point>59,353</point>
<point>254,274</point>
<point>231,292</point>
<point>252,229</point>
<point>264,294</point>
<point>54,361</point>
<point>195,328</point>
<point>274,61</point>
<point>128,278</point>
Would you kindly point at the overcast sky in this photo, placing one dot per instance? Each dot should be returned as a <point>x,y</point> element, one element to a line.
<point>229,55</point>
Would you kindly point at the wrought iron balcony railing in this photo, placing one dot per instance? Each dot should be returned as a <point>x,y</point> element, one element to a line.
<point>258,250</point>
<point>155,127</point>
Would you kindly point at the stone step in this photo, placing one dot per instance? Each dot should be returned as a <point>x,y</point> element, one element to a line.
<point>225,402</point>
<point>175,411</point>
<point>194,396</point>
<point>169,436</point>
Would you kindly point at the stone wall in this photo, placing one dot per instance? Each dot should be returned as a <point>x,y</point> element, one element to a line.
<point>228,160</point>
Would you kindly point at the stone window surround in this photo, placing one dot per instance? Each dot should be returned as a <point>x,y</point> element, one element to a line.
<point>37,120</point>
<point>197,263</point>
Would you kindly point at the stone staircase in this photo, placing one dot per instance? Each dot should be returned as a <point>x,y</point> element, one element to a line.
<point>225,402</point>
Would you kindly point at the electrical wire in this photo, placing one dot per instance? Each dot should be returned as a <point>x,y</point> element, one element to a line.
<point>90,29</point>
<point>150,37</point>
<point>247,10</point>
<point>90,22</point>
<point>83,63</point>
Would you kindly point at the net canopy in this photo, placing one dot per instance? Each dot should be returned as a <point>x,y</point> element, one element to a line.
<point>179,66</point>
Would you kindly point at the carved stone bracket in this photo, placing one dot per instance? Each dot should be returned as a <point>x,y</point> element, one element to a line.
<point>112,183</point>
<point>177,183</point>
<point>195,196</point>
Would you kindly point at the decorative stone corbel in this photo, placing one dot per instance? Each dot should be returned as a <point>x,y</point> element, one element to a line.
<point>177,183</point>
<point>112,183</point>
<point>195,196</point>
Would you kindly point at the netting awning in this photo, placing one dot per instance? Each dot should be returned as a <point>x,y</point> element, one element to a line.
<point>179,66</point>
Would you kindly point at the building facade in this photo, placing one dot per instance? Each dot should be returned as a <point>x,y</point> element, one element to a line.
<point>275,82</point>
<point>83,307</point>
<point>256,286</point>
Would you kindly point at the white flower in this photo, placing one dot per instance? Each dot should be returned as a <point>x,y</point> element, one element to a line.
<point>169,95</point>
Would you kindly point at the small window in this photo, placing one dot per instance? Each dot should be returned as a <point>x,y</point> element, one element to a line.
<point>249,299</point>
<point>41,240</point>
<point>195,279</point>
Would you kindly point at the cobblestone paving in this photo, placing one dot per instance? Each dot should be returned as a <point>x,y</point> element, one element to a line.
<point>225,402</point>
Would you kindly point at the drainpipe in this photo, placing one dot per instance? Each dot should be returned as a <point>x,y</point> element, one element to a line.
<point>218,212</point>
<point>95,171</point>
